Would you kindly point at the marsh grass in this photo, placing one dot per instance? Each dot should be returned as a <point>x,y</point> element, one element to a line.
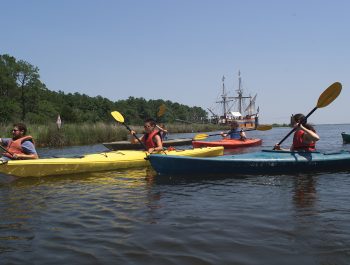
<point>93,133</point>
<point>71,134</point>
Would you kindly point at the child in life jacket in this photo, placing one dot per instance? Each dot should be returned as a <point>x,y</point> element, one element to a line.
<point>151,138</point>
<point>305,136</point>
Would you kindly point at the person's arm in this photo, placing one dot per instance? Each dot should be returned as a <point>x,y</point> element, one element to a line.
<point>161,129</point>
<point>226,134</point>
<point>25,156</point>
<point>29,151</point>
<point>279,148</point>
<point>133,139</point>
<point>4,141</point>
<point>309,135</point>
<point>243,135</point>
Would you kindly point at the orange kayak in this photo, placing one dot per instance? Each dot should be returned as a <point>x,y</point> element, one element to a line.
<point>229,143</point>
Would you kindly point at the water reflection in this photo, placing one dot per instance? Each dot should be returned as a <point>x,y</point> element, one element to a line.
<point>304,191</point>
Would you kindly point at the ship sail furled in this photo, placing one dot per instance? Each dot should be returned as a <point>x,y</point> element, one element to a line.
<point>251,107</point>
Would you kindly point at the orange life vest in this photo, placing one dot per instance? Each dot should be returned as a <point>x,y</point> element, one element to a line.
<point>15,146</point>
<point>300,145</point>
<point>148,139</point>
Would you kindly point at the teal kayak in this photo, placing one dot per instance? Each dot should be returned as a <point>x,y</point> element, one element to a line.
<point>263,162</point>
<point>346,137</point>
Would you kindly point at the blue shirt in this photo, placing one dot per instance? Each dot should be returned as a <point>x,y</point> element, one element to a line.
<point>234,134</point>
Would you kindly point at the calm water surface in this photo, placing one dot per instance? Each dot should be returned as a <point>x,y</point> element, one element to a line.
<point>135,217</point>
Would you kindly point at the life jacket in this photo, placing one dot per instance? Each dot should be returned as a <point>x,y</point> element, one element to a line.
<point>148,139</point>
<point>300,145</point>
<point>15,146</point>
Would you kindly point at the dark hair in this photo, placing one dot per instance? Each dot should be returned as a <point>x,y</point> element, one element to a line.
<point>301,119</point>
<point>21,127</point>
<point>151,121</point>
<point>234,123</point>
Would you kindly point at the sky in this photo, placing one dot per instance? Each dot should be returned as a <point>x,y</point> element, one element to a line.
<point>288,52</point>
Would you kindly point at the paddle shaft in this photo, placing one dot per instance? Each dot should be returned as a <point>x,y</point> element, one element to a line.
<point>138,139</point>
<point>293,130</point>
<point>5,150</point>
<point>231,131</point>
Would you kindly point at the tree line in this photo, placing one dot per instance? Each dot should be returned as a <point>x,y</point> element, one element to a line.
<point>24,97</point>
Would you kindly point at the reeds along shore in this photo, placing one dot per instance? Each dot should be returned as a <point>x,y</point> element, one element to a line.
<point>93,133</point>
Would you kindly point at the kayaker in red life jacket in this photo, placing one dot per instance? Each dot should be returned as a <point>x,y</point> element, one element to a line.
<point>151,137</point>
<point>20,146</point>
<point>305,136</point>
<point>235,132</point>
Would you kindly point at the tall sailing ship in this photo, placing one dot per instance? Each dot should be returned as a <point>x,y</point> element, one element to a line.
<point>240,108</point>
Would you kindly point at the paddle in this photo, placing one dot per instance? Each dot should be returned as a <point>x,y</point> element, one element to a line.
<point>161,111</point>
<point>5,150</point>
<point>262,127</point>
<point>161,127</point>
<point>326,98</point>
<point>119,118</point>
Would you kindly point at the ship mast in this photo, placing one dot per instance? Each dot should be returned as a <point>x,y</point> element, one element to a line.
<point>240,96</point>
<point>246,120</point>
<point>224,97</point>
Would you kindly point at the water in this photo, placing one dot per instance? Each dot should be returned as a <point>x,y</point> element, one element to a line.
<point>135,217</point>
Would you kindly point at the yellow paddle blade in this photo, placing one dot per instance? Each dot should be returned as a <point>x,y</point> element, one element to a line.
<point>264,127</point>
<point>200,136</point>
<point>117,116</point>
<point>161,110</point>
<point>330,94</point>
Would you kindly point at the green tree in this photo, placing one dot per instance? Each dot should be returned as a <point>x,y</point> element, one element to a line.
<point>23,96</point>
<point>28,82</point>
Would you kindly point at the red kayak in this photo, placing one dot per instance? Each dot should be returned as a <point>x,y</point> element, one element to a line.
<point>229,143</point>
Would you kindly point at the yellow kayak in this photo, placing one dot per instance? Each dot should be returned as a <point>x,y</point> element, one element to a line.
<point>94,162</point>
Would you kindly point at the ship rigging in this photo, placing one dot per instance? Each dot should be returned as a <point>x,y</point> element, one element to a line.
<point>245,113</point>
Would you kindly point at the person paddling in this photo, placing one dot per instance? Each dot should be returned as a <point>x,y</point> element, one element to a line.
<point>163,132</point>
<point>235,132</point>
<point>151,137</point>
<point>20,146</point>
<point>305,136</point>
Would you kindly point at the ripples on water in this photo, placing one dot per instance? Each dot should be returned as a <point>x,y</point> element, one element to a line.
<point>136,217</point>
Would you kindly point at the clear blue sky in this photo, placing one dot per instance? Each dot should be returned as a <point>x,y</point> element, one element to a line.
<point>288,52</point>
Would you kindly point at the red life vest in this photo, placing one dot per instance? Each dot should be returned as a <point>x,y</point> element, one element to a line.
<point>300,145</point>
<point>148,139</point>
<point>15,146</point>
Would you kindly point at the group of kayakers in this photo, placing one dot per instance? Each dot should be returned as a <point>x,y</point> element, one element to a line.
<point>21,146</point>
<point>305,136</point>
